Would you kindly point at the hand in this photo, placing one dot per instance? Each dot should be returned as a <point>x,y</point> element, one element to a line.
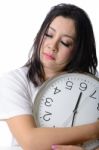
<point>97,128</point>
<point>66,147</point>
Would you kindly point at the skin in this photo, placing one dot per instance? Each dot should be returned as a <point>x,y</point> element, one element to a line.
<point>56,51</point>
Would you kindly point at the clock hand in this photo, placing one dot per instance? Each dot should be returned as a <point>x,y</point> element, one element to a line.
<point>68,120</point>
<point>76,106</point>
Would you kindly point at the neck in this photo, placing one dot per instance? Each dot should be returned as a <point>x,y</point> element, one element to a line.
<point>49,73</point>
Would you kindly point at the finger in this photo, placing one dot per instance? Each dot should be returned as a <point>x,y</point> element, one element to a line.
<point>66,147</point>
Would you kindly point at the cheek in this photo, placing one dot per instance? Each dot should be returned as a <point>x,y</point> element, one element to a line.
<point>42,47</point>
<point>67,54</point>
<point>44,42</point>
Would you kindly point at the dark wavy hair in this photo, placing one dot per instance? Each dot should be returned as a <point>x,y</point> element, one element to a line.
<point>84,58</point>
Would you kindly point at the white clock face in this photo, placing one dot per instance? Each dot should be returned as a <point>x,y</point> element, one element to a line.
<point>67,100</point>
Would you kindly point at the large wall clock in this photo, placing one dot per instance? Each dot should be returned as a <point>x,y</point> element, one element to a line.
<point>66,100</point>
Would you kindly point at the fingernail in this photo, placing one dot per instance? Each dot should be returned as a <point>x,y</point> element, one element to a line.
<point>54,147</point>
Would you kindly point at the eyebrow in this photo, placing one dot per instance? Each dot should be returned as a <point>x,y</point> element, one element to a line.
<point>63,34</point>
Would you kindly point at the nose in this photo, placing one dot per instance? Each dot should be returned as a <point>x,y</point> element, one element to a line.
<point>53,45</point>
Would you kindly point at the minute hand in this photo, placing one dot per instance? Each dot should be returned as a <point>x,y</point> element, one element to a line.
<point>76,106</point>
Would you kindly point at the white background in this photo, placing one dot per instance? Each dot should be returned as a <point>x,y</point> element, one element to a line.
<point>20,21</point>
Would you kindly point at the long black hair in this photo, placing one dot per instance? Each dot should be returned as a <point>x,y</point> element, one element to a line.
<point>84,58</point>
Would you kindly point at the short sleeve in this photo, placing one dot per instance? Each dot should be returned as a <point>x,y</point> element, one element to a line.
<point>14,96</point>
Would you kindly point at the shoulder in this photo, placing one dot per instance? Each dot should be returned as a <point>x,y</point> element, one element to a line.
<point>20,72</point>
<point>14,77</point>
<point>17,81</point>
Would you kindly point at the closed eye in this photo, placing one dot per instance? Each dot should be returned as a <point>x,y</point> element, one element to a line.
<point>66,44</point>
<point>48,35</point>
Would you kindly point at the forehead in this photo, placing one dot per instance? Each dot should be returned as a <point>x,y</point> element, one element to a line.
<point>64,25</point>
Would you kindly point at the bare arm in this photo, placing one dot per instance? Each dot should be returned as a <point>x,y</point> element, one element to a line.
<point>32,138</point>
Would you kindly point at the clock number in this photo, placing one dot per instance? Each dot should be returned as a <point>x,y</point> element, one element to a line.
<point>92,95</point>
<point>48,101</point>
<point>57,90</point>
<point>83,86</point>
<point>69,85</point>
<point>46,117</point>
<point>98,107</point>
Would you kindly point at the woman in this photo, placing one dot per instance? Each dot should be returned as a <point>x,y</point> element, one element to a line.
<point>65,42</point>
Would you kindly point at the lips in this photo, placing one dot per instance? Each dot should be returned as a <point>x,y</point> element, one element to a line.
<point>49,56</point>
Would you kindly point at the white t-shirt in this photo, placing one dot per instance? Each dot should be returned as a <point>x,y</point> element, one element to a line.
<point>16,98</point>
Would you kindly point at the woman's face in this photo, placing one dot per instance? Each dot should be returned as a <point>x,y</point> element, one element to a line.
<point>58,45</point>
